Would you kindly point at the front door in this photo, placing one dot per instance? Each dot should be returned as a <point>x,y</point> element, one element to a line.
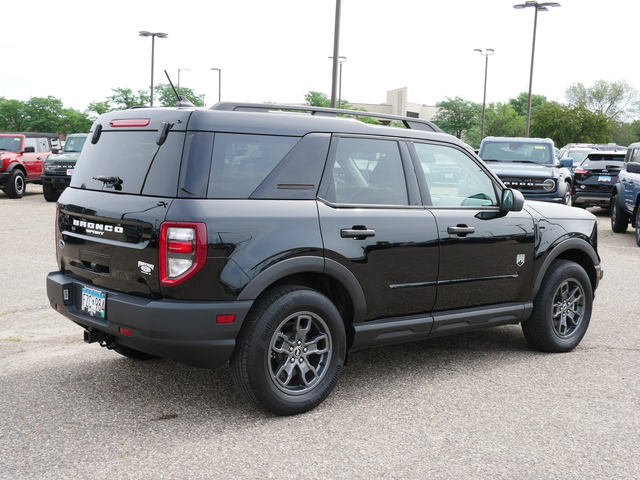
<point>486,255</point>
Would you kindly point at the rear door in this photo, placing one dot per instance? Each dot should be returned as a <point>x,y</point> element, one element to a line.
<point>109,220</point>
<point>373,223</point>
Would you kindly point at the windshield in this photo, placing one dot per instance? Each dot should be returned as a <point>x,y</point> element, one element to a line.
<point>74,144</point>
<point>10,143</point>
<point>525,152</point>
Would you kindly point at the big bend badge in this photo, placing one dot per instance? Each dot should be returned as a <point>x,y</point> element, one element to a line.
<point>520,259</point>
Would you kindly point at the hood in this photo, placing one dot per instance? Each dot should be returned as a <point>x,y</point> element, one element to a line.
<point>509,169</point>
<point>556,211</point>
<point>63,157</point>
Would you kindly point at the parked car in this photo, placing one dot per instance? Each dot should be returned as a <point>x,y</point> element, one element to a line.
<point>282,242</point>
<point>625,198</point>
<point>529,165</point>
<point>22,156</point>
<point>595,177</point>
<point>58,168</point>
<point>577,152</point>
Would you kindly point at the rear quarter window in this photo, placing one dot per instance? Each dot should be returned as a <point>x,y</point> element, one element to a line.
<point>242,162</point>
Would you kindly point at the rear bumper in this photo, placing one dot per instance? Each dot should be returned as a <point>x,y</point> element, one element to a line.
<point>186,332</point>
<point>587,199</point>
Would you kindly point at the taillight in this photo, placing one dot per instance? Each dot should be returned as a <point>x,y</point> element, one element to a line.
<point>581,170</point>
<point>183,251</point>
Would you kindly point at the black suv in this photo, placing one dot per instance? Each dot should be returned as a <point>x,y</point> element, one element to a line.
<point>282,241</point>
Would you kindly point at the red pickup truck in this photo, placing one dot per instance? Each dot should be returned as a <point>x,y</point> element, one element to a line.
<point>22,156</point>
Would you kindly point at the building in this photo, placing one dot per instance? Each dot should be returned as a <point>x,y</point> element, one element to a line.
<point>397,104</point>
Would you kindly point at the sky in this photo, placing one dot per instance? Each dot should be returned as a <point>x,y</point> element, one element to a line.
<point>278,50</point>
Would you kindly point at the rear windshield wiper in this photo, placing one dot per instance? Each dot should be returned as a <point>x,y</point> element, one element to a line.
<point>110,182</point>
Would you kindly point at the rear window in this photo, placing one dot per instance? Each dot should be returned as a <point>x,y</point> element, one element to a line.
<point>133,160</point>
<point>603,164</point>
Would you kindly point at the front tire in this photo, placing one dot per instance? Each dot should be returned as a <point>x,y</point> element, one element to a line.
<point>619,217</point>
<point>562,309</point>
<point>291,351</point>
<point>50,194</point>
<point>638,227</point>
<point>15,186</point>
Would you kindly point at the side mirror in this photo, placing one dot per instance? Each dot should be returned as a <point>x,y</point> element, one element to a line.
<point>29,149</point>
<point>512,200</point>
<point>633,167</point>
<point>55,151</point>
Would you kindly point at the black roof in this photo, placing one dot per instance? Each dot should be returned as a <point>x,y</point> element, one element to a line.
<point>32,134</point>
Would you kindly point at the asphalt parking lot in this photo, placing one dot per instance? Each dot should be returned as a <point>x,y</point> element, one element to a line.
<point>474,406</point>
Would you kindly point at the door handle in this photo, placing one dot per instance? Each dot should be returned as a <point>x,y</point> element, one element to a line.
<point>357,233</point>
<point>460,230</point>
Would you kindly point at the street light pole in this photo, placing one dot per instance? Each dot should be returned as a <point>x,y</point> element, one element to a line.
<point>180,70</point>
<point>336,49</point>
<point>219,82</point>
<point>539,7</point>
<point>342,60</point>
<point>153,35</point>
<point>486,54</point>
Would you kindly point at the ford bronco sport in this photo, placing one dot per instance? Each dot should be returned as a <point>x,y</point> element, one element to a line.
<point>282,241</point>
<point>21,158</point>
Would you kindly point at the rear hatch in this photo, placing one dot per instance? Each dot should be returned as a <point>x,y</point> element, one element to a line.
<point>598,175</point>
<point>109,220</point>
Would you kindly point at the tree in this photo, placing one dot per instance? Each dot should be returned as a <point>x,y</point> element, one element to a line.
<point>457,116</point>
<point>521,103</point>
<point>502,120</point>
<point>73,121</point>
<point>12,115</point>
<point>95,109</point>
<point>44,114</point>
<point>167,97</point>
<point>124,98</point>
<point>565,124</point>
<point>626,133</point>
<point>617,100</point>
<point>317,99</point>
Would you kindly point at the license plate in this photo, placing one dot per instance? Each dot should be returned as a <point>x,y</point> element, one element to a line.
<point>604,178</point>
<point>94,302</point>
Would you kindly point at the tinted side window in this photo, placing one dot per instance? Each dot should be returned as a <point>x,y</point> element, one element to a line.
<point>367,171</point>
<point>453,178</point>
<point>242,162</point>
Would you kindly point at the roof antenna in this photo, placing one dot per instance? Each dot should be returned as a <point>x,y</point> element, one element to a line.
<point>182,100</point>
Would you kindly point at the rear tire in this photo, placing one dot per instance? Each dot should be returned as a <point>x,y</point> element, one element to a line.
<point>50,194</point>
<point>562,309</point>
<point>619,217</point>
<point>638,227</point>
<point>15,185</point>
<point>290,352</point>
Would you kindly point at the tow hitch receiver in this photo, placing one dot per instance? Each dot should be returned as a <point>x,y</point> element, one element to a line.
<point>105,340</point>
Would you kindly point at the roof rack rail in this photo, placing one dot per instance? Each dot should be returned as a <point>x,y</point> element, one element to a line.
<point>411,123</point>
